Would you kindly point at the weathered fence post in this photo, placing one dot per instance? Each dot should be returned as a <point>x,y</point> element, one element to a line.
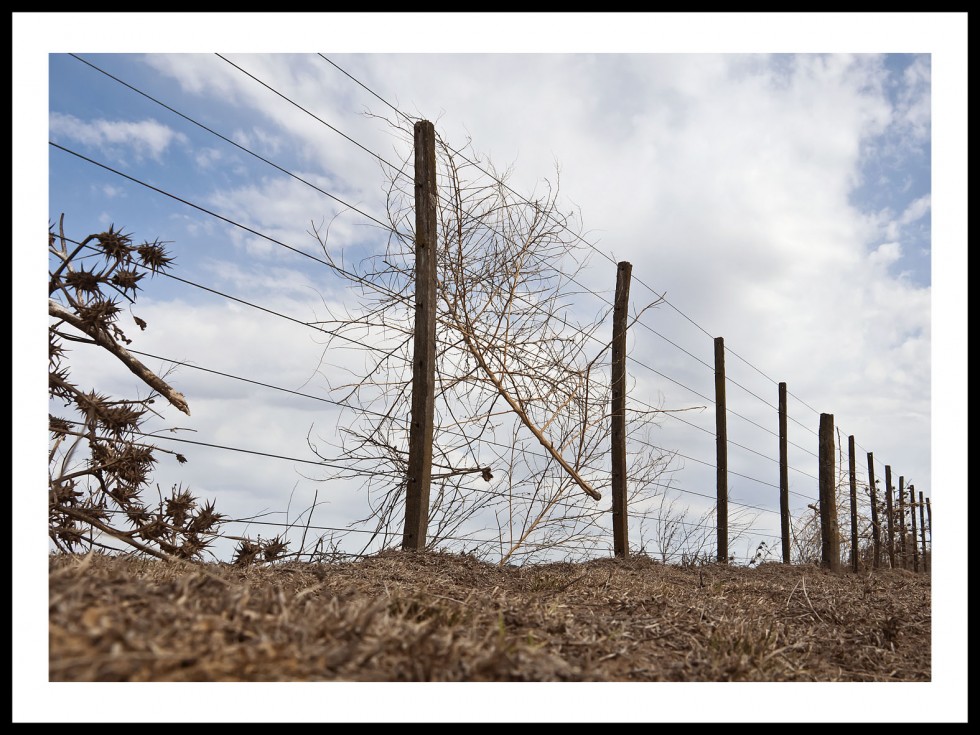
<point>424,345</point>
<point>620,317</point>
<point>721,445</point>
<point>929,517</point>
<point>854,509</point>
<point>783,474</point>
<point>922,531</point>
<point>875,527</point>
<point>915,540</point>
<point>889,509</point>
<point>829,535</point>
<point>903,551</point>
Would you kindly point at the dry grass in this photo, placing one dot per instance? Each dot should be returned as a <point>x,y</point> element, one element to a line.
<point>402,616</point>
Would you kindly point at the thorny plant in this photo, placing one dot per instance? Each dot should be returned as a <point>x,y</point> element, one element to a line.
<point>522,382</point>
<point>99,463</point>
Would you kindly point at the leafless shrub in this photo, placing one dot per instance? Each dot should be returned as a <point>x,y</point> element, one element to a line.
<point>522,386</point>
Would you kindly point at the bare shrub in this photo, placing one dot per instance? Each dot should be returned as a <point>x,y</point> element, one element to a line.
<point>522,427</point>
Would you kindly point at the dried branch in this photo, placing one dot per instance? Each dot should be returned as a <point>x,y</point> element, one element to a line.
<point>517,367</point>
<point>108,343</point>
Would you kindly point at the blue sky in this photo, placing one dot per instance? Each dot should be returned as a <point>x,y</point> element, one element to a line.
<point>814,228</point>
<point>783,201</point>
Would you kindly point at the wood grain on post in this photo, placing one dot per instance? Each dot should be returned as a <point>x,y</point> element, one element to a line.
<point>922,531</point>
<point>902,550</point>
<point>620,318</point>
<point>721,444</point>
<point>929,518</point>
<point>915,533</point>
<point>852,471</point>
<point>783,474</point>
<point>889,511</point>
<point>424,345</point>
<point>829,534</point>
<point>875,526</point>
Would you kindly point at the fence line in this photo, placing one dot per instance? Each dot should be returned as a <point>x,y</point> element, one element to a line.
<point>398,171</point>
<point>619,359</point>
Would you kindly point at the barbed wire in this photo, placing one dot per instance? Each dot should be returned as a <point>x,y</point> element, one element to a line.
<point>323,463</point>
<point>660,296</point>
<point>392,230</point>
<point>399,171</point>
<point>296,250</point>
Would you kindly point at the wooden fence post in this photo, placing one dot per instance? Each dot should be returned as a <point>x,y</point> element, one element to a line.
<point>889,510</point>
<point>620,318</point>
<point>915,533</point>
<point>829,534</point>
<point>929,518</point>
<point>783,474</point>
<point>424,351</point>
<point>902,550</point>
<point>922,531</point>
<point>721,449</point>
<point>875,526</point>
<point>854,509</point>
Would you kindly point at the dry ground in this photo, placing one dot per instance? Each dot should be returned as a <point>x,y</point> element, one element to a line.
<point>404,616</point>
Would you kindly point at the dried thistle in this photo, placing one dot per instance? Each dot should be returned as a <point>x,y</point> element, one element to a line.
<point>115,244</point>
<point>246,553</point>
<point>274,548</point>
<point>127,280</point>
<point>83,281</point>
<point>206,518</point>
<point>87,492</point>
<point>58,426</point>
<point>179,505</point>
<point>154,256</point>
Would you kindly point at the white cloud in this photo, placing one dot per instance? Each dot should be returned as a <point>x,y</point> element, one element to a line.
<point>916,210</point>
<point>206,158</point>
<point>143,138</point>
<point>266,143</point>
<point>915,105</point>
<point>287,210</point>
<point>885,254</point>
<point>894,227</point>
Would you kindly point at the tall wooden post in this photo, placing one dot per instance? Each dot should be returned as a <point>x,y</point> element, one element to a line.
<point>889,510</point>
<point>929,517</point>
<point>424,345</point>
<point>902,550</point>
<point>783,474</point>
<point>829,533</point>
<point>915,533</point>
<point>922,531</point>
<point>875,526</point>
<point>721,445</point>
<point>854,510</point>
<point>620,317</point>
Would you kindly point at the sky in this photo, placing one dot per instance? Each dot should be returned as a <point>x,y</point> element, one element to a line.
<point>783,196</point>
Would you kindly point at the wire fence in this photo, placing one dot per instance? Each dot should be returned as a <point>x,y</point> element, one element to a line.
<point>674,518</point>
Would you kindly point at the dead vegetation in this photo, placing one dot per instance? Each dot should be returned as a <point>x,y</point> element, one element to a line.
<point>408,616</point>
